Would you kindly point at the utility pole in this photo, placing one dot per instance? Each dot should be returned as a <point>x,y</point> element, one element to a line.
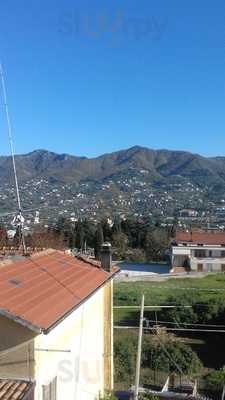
<point>138,364</point>
<point>223,393</point>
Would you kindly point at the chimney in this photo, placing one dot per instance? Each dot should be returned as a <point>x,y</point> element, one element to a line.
<point>106,257</point>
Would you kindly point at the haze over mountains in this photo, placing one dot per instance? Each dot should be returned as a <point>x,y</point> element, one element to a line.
<point>160,165</point>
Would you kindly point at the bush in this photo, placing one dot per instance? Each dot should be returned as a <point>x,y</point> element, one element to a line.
<point>215,380</point>
<point>149,397</point>
<point>167,356</point>
<point>171,357</point>
<point>135,255</point>
<point>125,358</point>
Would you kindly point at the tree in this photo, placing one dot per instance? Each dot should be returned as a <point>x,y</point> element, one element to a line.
<point>116,228</point>
<point>17,237</point>
<point>120,242</point>
<point>136,256</point>
<point>181,315</point>
<point>156,243</point>
<point>47,238</point>
<point>66,229</point>
<point>174,227</point>
<point>125,357</point>
<point>99,240</point>
<point>169,355</point>
<point>106,230</point>
<point>80,236</point>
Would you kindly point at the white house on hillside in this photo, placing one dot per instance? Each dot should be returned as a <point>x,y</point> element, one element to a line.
<point>198,251</point>
<point>56,340</point>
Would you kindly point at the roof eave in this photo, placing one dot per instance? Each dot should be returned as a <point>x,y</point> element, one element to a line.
<point>20,321</point>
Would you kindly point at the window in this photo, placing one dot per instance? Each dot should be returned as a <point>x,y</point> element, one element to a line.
<point>200,267</point>
<point>209,267</point>
<point>223,267</point>
<point>200,253</point>
<point>50,391</point>
<point>223,254</point>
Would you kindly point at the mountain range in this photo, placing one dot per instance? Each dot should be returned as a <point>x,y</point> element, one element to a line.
<point>160,165</point>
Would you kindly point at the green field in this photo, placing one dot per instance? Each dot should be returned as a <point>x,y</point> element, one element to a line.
<point>205,295</point>
<point>160,291</point>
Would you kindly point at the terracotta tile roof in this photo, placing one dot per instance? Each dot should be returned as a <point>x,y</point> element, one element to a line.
<point>15,390</point>
<point>41,290</point>
<point>206,238</point>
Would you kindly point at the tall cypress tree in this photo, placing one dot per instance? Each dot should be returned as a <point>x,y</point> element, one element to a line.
<point>80,236</point>
<point>99,239</point>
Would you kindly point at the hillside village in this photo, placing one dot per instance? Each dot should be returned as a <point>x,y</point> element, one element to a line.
<point>122,194</point>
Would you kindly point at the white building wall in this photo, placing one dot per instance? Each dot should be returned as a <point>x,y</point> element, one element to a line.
<point>212,262</point>
<point>209,265</point>
<point>80,372</point>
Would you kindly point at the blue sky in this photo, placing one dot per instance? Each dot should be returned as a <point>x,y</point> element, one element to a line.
<point>89,77</point>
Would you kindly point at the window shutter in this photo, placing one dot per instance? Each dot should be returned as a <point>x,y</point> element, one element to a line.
<point>53,389</point>
<point>46,392</point>
<point>50,391</point>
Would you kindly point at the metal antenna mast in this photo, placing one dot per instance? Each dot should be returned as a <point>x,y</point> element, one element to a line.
<point>20,218</point>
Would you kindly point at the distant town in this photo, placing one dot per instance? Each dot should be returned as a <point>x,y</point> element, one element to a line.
<point>124,197</point>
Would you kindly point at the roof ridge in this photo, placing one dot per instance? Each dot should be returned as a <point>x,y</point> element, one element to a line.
<point>7,261</point>
<point>87,260</point>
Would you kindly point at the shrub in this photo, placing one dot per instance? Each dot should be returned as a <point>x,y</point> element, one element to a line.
<point>149,397</point>
<point>172,356</point>
<point>215,380</point>
<point>125,357</point>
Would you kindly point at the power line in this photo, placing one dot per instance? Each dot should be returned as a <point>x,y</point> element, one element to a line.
<point>196,330</point>
<point>152,307</point>
<point>187,324</point>
<point>188,288</point>
<point>175,329</point>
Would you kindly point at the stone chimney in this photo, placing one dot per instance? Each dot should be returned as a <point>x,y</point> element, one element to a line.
<point>106,257</point>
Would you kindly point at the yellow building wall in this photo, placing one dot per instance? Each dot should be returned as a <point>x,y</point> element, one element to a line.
<point>78,359</point>
<point>108,336</point>
<point>78,351</point>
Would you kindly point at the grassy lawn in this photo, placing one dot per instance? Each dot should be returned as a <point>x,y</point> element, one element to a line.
<point>177,292</point>
<point>159,291</point>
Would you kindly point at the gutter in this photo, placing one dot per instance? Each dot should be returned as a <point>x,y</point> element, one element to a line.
<point>20,321</point>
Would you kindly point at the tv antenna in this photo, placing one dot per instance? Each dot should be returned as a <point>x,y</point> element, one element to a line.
<point>19,219</point>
